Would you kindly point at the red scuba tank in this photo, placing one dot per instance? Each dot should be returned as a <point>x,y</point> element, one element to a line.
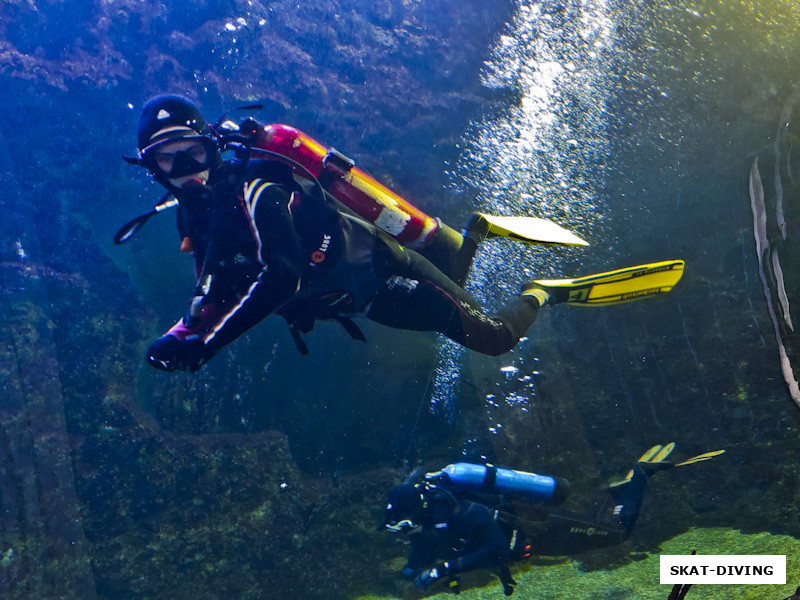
<point>351,186</point>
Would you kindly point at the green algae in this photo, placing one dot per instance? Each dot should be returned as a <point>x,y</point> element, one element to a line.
<point>639,579</point>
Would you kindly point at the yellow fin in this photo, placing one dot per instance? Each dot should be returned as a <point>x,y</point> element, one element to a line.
<point>533,230</point>
<point>700,457</point>
<point>650,454</point>
<point>615,287</point>
<point>663,453</point>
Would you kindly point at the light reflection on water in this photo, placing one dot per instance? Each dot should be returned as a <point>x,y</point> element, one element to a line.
<point>542,157</point>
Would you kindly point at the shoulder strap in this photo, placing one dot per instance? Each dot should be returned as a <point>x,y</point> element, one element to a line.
<point>273,171</point>
<point>301,318</point>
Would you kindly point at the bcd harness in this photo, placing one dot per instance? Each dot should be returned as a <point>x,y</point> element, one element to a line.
<point>300,315</point>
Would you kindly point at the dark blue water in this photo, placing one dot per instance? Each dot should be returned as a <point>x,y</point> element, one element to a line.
<point>654,130</point>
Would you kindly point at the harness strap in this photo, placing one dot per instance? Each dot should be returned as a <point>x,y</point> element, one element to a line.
<point>349,326</point>
<point>353,330</point>
<point>489,479</point>
<point>299,342</point>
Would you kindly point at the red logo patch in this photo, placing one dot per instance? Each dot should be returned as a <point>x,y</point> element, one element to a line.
<point>317,257</point>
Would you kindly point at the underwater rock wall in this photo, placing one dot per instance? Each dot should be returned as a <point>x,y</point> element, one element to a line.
<point>265,475</point>
<point>374,76</point>
<point>102,496</point>
<point>44,550</point>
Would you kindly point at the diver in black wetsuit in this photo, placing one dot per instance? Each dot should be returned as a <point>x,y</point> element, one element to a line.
<point>449,535</point>
<point>452,531</point>
<point>265,242</point>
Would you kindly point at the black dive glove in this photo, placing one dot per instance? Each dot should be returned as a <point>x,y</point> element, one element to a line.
<point>169,353</point>
<point>428,577</point>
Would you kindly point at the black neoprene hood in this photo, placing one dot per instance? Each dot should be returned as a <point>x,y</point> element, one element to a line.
<point>169,111</point>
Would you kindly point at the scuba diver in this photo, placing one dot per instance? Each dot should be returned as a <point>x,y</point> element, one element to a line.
<point>469,516</point>
<point>272,235</point>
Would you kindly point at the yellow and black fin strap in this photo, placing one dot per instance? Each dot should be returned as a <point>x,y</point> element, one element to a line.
<point>616,287</point>
<point>700,458</point>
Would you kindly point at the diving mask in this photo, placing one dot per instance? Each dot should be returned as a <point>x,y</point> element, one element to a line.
<point>403,526</point>
<point>179,157</point>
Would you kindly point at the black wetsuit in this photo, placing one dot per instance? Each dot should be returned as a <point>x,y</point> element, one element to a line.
<point>465,534</point>
<point>263,245</point>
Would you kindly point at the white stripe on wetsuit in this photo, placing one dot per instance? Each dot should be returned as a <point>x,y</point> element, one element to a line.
<point>252,192</point>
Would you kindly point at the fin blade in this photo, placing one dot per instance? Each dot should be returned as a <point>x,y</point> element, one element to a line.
<point>616,287</point>
<point>700,458</point>
<point>650,453</point>
<point>663,453</point>
<point>533,230</point>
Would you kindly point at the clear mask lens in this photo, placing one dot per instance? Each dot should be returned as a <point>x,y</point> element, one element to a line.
<point>181,157</point>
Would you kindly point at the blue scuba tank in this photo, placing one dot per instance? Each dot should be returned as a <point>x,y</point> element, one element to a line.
<point>489,479</point>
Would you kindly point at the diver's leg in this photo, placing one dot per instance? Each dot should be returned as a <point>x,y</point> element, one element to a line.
<point>628,497</point>
<point>565,532</point>
<point>508,582</point>
<point>452,252</point>
<point>422,298</point>
<point>607,523</point>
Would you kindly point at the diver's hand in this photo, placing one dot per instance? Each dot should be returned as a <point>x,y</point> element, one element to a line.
<point>168,353</point>
<point>431,576</point>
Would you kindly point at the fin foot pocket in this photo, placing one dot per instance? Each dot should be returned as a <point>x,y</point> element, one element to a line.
<point>542,297</point>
